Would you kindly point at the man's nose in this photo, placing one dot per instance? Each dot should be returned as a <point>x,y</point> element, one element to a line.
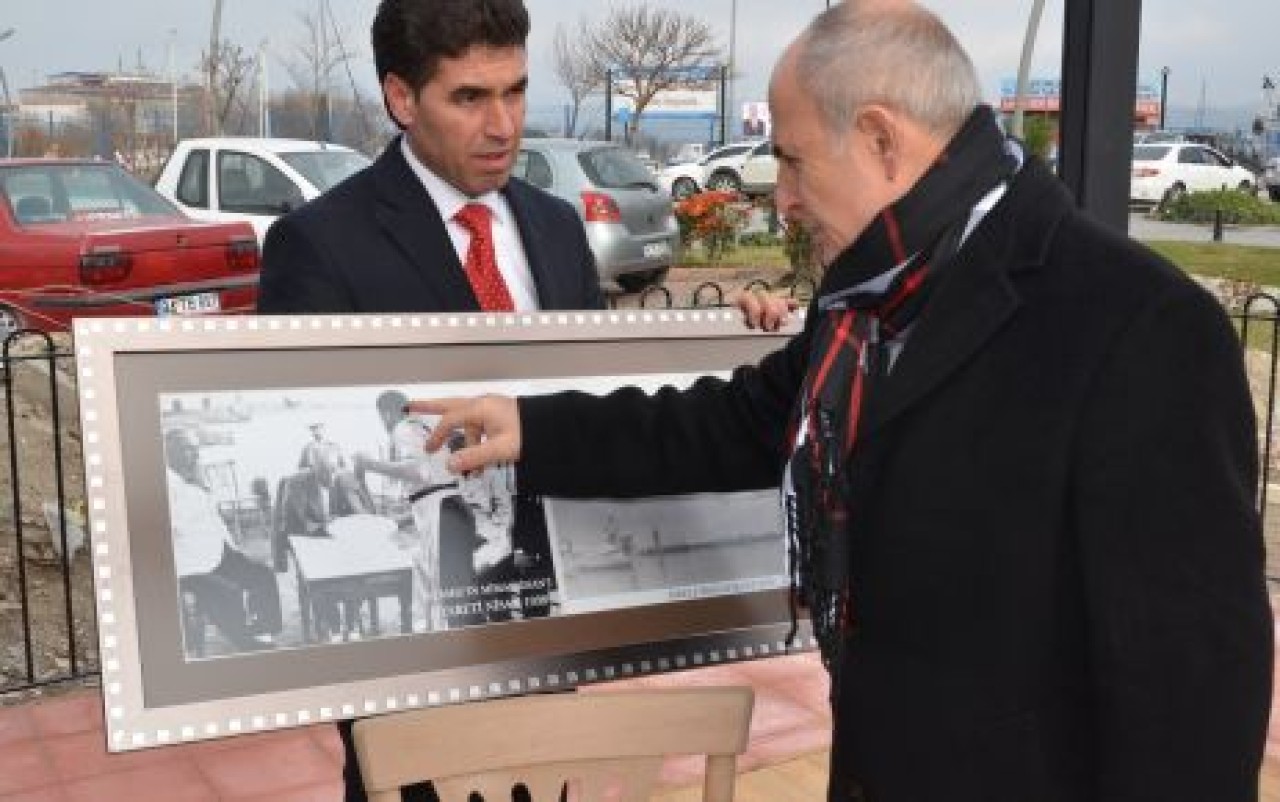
<point>501,121</point>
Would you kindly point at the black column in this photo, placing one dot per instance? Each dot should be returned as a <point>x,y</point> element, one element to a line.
<point>1099,88</point>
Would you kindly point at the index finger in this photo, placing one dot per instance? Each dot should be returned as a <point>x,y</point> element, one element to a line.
<point>452,416</point>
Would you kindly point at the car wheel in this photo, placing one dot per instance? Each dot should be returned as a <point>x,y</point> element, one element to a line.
<point>635,282</point>
<point>724,181</point>
<point>683,187</point>
<point>1246,188</point>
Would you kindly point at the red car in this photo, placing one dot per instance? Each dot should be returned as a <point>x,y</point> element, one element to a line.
<point>83,238</point>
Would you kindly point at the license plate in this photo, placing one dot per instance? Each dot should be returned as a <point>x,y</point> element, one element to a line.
<point>657,250</point>
<point>199,303</point>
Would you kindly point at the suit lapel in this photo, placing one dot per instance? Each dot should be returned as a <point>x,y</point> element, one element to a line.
<point>976,295</point>
<point>411,220</point>
<point>532,236</point>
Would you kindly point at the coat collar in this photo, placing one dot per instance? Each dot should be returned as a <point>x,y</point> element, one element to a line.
<point>977,294</point>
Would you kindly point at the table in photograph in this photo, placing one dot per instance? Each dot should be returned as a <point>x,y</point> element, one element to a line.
<point>358,562</point>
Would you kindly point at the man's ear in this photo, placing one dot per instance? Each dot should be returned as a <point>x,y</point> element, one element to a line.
<point>400,99</point>
<point>877,129</point>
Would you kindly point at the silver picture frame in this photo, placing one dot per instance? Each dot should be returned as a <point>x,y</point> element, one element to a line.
<point>372,606</point>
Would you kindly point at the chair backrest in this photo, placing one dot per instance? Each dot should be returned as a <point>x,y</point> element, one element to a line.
<point>603,745</point>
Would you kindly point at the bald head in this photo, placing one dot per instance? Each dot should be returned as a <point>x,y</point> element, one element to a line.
<point>890,52</point>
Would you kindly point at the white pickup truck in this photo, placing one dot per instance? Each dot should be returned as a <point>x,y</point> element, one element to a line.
<point>256,180</point>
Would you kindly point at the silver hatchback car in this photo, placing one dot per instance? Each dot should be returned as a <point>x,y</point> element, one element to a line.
<point>629,220</point>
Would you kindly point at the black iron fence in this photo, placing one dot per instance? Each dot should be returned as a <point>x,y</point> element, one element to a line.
<point>47,610</point>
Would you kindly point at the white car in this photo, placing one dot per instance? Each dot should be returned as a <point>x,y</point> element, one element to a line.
<point>257,180</point>
<point>719,169</point>
<point>760,171</point>
<point>1166,170</point>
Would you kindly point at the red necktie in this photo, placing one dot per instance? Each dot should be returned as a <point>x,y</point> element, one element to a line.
<point>482,262</point>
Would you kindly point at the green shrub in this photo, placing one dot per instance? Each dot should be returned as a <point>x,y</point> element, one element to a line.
<point>1237,208</point>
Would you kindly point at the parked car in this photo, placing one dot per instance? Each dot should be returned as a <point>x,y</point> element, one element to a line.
<point>630,223</point>
<point>760,171</point>
<point>1271,178</point>
<point>81,238</point>
<point>719,169</point>
<point>256,180</point>
<point>1167,170</point>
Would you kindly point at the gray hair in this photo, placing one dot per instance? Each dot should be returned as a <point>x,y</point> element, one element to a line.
<point>904,57</point>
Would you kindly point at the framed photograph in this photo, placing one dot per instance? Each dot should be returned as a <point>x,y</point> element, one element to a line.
<point>273,547</point>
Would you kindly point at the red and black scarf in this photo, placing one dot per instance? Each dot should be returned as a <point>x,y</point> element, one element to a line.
<point>852,346</point>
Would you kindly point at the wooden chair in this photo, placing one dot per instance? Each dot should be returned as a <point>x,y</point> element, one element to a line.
<point>606,745</point>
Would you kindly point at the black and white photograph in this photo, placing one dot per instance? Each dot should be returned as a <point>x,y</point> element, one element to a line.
<point>314,515</point>
<point>618,553</point>
<point>308,516</point>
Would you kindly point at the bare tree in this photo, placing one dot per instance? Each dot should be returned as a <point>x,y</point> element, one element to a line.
<point>649,50</point>
<point>232,68</point>
<point>317,58</point>
<point>577,68</point>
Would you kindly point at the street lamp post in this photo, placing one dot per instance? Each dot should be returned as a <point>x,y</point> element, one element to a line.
<point>727,84</point>
<point>8,114</point>
<point>1164,94</point>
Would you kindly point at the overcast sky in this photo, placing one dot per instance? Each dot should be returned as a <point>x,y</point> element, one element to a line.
<point>1222,55</point>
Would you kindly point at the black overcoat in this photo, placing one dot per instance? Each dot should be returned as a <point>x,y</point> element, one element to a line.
<point>1058,569</point>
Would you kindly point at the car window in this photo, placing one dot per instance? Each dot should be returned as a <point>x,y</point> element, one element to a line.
<point>326,168</point>
<point>764,148</point>
<point>1215,158</point>
<point>534,168</point>
<point>726,152</point>
<point>614,168</point>
<point>249,185</point>
<point>1190,156</point>
<point>193,184</point>
<point>1150,153</point>
<point>57,193</point>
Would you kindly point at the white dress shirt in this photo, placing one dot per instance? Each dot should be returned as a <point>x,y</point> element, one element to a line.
<point>512,261</point>
<point>199,534</point>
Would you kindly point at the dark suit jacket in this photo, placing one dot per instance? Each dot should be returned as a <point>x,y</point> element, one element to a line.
<point>376,243</point>
<point>1058,569</point>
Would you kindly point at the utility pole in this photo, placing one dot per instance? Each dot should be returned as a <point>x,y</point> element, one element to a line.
<point>1164,95</point>
<point>173,84</point>
<point>211,79</point>
<point>1024,67</point>
<point>264,93</point>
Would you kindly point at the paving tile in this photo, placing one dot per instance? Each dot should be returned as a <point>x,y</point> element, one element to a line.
<point>80,712</point>
<point>322,792</point>
<point>16,724</point>
<point>327,738</point>
<point>50,793</point>
<point>255,739</point>
<point>774,749</point>
<point>266,768</point>
<point>775,713</point>
<point>24,766</point>
<point>783,668</point>
<point>83,755</point>
<point>174,781</point>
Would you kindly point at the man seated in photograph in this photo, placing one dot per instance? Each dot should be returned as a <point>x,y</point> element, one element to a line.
<point>236,593</point>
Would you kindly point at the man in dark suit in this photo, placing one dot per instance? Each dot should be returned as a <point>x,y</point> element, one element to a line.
<point>437,223</point>
<point>389,239</point>
<point>1017,450</point>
